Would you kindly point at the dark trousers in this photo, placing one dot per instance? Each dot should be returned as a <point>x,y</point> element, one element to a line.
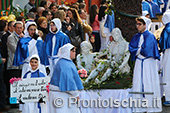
<point>11,73</point>
<point>2,88</point>
<point>97,41</point>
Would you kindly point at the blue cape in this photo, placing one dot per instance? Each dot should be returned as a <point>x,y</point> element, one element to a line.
<point>155,8</point>
<point>164,42</point>
<point>158,2</point>
<point>110,22</point>
<point>61,39</point>
<point>165,5</point>
<point>22,51</point>
<point>35,74</point>
<point>146,7</point>
<point>149,46</point>
<point>65,76</point>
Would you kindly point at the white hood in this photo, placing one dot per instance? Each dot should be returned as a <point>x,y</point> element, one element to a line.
<point>166,17</point>
<point>58,24</point>
<point>26,34</point>
<point>147,21</point>
<point>64,51</point>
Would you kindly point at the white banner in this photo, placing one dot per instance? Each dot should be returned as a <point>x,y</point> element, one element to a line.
<point>29,90</point>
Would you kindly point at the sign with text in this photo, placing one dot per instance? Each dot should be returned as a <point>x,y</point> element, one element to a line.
<point>29,90</point>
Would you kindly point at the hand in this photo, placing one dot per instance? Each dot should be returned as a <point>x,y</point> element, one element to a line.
<point>69,28</point>
<point>3,60</point>
<point>110,38</point>
<point>21,35</point>
<point>47,70</point>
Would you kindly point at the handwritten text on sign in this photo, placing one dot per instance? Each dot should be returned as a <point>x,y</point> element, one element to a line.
<point>29,90</point>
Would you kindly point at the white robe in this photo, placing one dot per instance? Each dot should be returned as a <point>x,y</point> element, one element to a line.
<point>151,83</point>
<point>54,94</point>
<point>104,34</point>
<point>166,73</point>
<point>149,79</point>
<point>32,50</point>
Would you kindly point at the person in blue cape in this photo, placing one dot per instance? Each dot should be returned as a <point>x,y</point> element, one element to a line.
<point>147,7</point>
<point>164,44</point>
<point>54,40</point>
<point>34,66</point>
<point>34,72</point>
<point>144,51</point>
<point>29,45</point>
<point>155,8</point>
<point>65,82</point>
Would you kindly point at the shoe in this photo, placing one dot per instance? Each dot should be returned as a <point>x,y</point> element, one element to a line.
<point>4,109</point>
<point>167,103</point>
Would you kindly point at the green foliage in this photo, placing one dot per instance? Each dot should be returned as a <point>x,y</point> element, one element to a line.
<point>17,11</point>
<point>117,81</point>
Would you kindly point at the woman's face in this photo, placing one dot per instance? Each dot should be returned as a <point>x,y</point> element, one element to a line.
<point>34,64</point>
<point>53,27</point>
<point>44,24</point>
<point>69,13</point>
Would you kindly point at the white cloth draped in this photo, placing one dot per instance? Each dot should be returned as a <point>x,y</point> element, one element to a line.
<point>56,93</point>
<point>151,83</point>
<point>106,94</point>
<point>32,51</point>
<point>166,74</point>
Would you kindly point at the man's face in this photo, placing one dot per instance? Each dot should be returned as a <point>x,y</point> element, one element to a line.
<point>140,26</point>
<point>53,27</point>
<point>83,15</point>
<point>32,30</point>
<point>54,9</point>
<point>11,27</point>
<point>32,2</point>
<point>73,54</point>
<point>49,16</point>
<point>18,28</point>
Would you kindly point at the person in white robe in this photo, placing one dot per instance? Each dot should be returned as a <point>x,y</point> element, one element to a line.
<point>54,40</point>
<point>146,85</point>
<point>34,72</point>
<point>29,45</point>
<point>65,82</point>
<point>165,48</point>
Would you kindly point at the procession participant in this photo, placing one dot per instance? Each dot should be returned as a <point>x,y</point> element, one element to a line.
<point>34,72</point>
<point>29,45</point>
<point>54,40</point>
<point>165,48</point>
<point>65,81</point>
<point>143,48</point>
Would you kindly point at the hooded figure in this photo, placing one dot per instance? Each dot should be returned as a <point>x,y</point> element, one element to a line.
<point>54,40</point>
<point>164,44</point>
<point>34,66</point>
<point>144,50</point>
<point>29,45</point>
<point>65,81</point>
<point>34,72</point>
